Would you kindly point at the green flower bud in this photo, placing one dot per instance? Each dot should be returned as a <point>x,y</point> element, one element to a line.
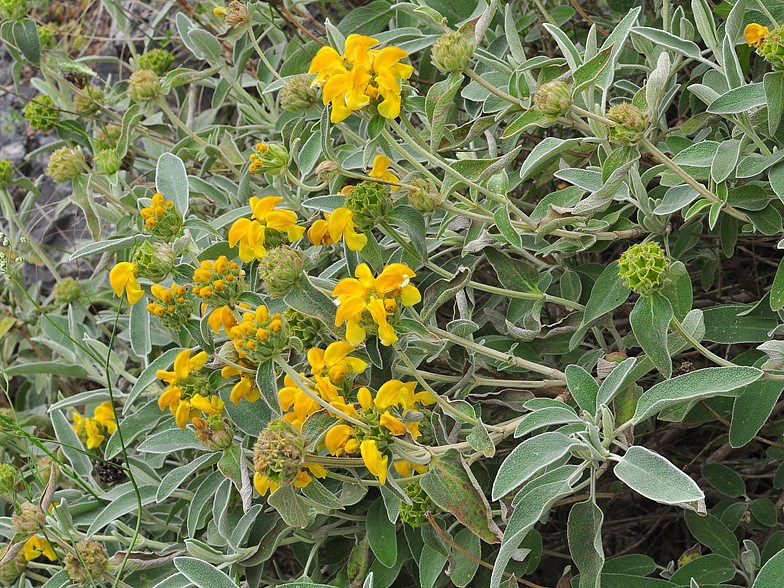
<point>153,261</point>
<point>772,48</point>
<point>630,126</point>
<point>425,197</point>
<point>12,569</point>
<point>371,203</point>
<point>270,159</point>
<point>279,452</point>
<point>107,136</point>
<point>452,52</point>
<point>414,514</point>
<point>108,162</point>
<point>40,115</point>
<point>66,291</point>
<point>144,86</point>
<point>157,60</point>
<point>280,269</point>
<point>297,95</point>
<point>311,331</point>
<point>87,104</point>
<point>644,267</point>
<point>8,475</point>
<point>28,520</point>
<point>46,38</point>
<point>94,562</point>
<point>6,173</point>
<point>552,99</point>
<point>14,9</point>
<point>214,433</point>
<point>65,164</point>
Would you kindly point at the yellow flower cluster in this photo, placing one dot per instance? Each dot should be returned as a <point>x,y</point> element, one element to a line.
<point>383,416</point>
<point>259,336</point>
<point>172,305</point>
<point>157,210</point>
<point>219,283</point>
<point>123,277</point>
<point>350,81</point>
<point>95,429</point>
<point>369,304</point>
<point>264,228</point>
<point>189,393</point>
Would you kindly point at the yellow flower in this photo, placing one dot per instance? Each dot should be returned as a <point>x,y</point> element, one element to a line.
<point>212,405</point>
<point>397,393</point>
<point>184,364</point>
<point>357,50</point>
<point>388,69</point>
<point>337,437</point>
<point>250,233</point>
<point>263,484</point>
<point>94,437</point>
<point>364,397</point>
<point>318,233</point>
<point>323,63</point>
<point>184,413</point>
<point>222,316</point>
<point>395,280</point>
<point>170,397</point>
<point>303,479</point>
<point>392,423</point>
<point>755,34</point>
<point>36,546</point>
<point>317,470</point>
<point>346,91</point>
<point>245,388</point>
<point>374,460</point>
<point>379,171</point>
<point>104,416</point>
<point>404,468</point>
<point>341,226</point>
<point>386,332</point>
<point>220,11</point>
<point>335,361</point>
<point>123,277</point>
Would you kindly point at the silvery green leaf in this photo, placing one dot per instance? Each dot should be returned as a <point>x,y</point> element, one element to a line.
<point>655,477</point>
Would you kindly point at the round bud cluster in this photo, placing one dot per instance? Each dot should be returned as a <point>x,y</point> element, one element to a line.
<point>279,452</point>
<point>41,114</point>
<point>107,136</point>
<point>371,203</point>
<point>14,9</point>
<point>157,60</point>
<point>552,99</point>
<point>46,38</point>
<point>214,433</point>
<point>220,283</point>
<point>270,159</point>
<point>311,331</point>
<point>452,52</point>
<point>280,270</point>
<point>297,95</point>
<point>6,173</point>
<point>172,306</point>
<point>153,261</point>
<point>162,219</point>
<point>772,48</point>
<point>67,290</point>
<point>108,161</point>
<point>65,164</point>
<point>643,267</point>
<point>28,520</point>
<point>630,124</point>
<point>424,197</point>
<point>259,337</point>
<point>87,104</point>
<point>144,86</point>
<point>11,570</point>
<point>8,475</point>
<point>94,562</point>
<point>414,514</point>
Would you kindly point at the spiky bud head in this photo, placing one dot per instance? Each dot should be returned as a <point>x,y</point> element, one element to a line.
<point>67,290</point>
<point>8,475</point>
<point>371,203</point>
<point>28,520</point>
<point>6,173</point>
<point>14,9</point>
<point>297,95</point>
<point>771,49</point>
<point>424,196</point>
<point>88,103</point>
<point>41,113</point>
<point>108,161</point>
<point>452,52</point>
<point>414,514</point>
<point>311,331</point>
<point>157,60</point>
<point>280,269</point>
<point>94,562</point>
<point>107,136</point>
<point>65,164</point>
<point>552,99</point>
<point>144,86</point>
<point>630,124</point>
<point>153,261</point>
<point>643,267</point>
<point>279,452</point>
